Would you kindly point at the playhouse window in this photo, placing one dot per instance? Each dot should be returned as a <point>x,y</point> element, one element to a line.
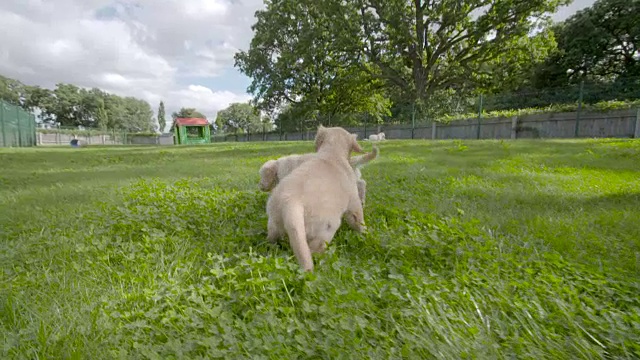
<point>195,131</point>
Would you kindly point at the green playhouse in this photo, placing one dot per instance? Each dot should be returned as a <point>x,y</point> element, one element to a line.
<point>191,131</point>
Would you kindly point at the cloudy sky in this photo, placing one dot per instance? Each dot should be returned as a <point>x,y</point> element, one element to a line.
<point>179,51</point>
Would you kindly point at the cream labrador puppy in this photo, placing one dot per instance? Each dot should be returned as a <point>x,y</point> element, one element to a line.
<point>309,203</point>
<point>274,170</point>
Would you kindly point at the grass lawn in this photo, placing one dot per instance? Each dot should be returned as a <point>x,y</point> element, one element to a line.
<point>477,249</point>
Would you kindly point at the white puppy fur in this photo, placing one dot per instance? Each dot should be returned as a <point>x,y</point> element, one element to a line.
<point>274,170</point>
<point>377,137</point>
<point>358,162</point>
<point>309,203</point>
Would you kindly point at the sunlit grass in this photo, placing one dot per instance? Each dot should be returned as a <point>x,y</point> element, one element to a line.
<point>477,249</point>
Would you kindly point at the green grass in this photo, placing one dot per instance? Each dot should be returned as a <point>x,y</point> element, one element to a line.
<point>477,249</point>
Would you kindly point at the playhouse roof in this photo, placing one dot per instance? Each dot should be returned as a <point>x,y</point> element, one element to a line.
<point>191,122</point>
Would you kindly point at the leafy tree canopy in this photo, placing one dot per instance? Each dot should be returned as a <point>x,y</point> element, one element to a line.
<point>187,113</point>
<point>599,43</point>
<point>242,118</point>
<point>328,54</point>
<point>70,105</point>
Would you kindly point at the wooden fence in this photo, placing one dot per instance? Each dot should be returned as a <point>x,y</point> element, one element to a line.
<point>609,124</point>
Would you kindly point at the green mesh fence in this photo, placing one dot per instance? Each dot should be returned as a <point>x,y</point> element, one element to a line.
<point>17,127</point>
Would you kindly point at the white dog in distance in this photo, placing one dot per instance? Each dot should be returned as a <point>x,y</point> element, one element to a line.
<point>377,137</point>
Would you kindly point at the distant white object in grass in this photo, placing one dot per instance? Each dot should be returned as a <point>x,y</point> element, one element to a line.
<point>377,137</point>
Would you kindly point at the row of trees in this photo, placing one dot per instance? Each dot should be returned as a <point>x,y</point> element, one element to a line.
<point>316,60</point>
<point>70,105</point>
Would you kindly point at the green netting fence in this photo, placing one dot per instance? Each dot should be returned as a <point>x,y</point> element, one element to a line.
<point>17,126</point>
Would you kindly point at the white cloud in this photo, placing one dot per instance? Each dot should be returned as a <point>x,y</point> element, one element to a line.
<point>203,8</point>
<point>208,98</point>
<point>566,11</point>
<point>144,48</point>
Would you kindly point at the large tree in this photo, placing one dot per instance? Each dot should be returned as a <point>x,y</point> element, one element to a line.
<point>242,118</point>
<point>297,59</point>
<point>415,47</point>
<point>599,43</point>
<point>11,91</point>
<point>445,44</point>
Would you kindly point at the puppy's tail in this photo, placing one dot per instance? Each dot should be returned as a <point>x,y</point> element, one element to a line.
<point>294,225</point>
<point>361,160</point>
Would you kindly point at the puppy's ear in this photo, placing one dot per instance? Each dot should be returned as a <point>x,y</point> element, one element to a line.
<point>354,144</point>
<point>268,175</point>
<point>320,136</point>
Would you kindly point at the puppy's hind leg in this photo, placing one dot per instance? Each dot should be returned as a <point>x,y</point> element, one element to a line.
<point>362,191</point>
<point>293,219</point>
<point>274,230</point>
<point>355,214</point>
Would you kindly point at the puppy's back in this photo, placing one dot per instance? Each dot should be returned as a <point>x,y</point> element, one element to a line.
<point>313,177</point>
<point>289,163</point>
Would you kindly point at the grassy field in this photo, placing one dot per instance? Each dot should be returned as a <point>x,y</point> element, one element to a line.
<point>477,249</point>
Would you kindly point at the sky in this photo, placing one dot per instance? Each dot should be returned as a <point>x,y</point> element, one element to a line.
<point>178,51</point>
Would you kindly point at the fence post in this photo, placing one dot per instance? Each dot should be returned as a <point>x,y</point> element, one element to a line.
<point>4,134</point>
<point>366,117</point>
<point>636,132</point>
<point>514,128</point>
<point>479,117</point>
<point>433,130</point>
<point>577,130</point>
<point>19,127</point>
<point>34,132</point>
<point>413,119</point>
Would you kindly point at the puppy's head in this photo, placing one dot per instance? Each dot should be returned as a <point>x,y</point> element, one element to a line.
<point>338,138</point>
<point>268,175</point>
<point>382,136</point>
